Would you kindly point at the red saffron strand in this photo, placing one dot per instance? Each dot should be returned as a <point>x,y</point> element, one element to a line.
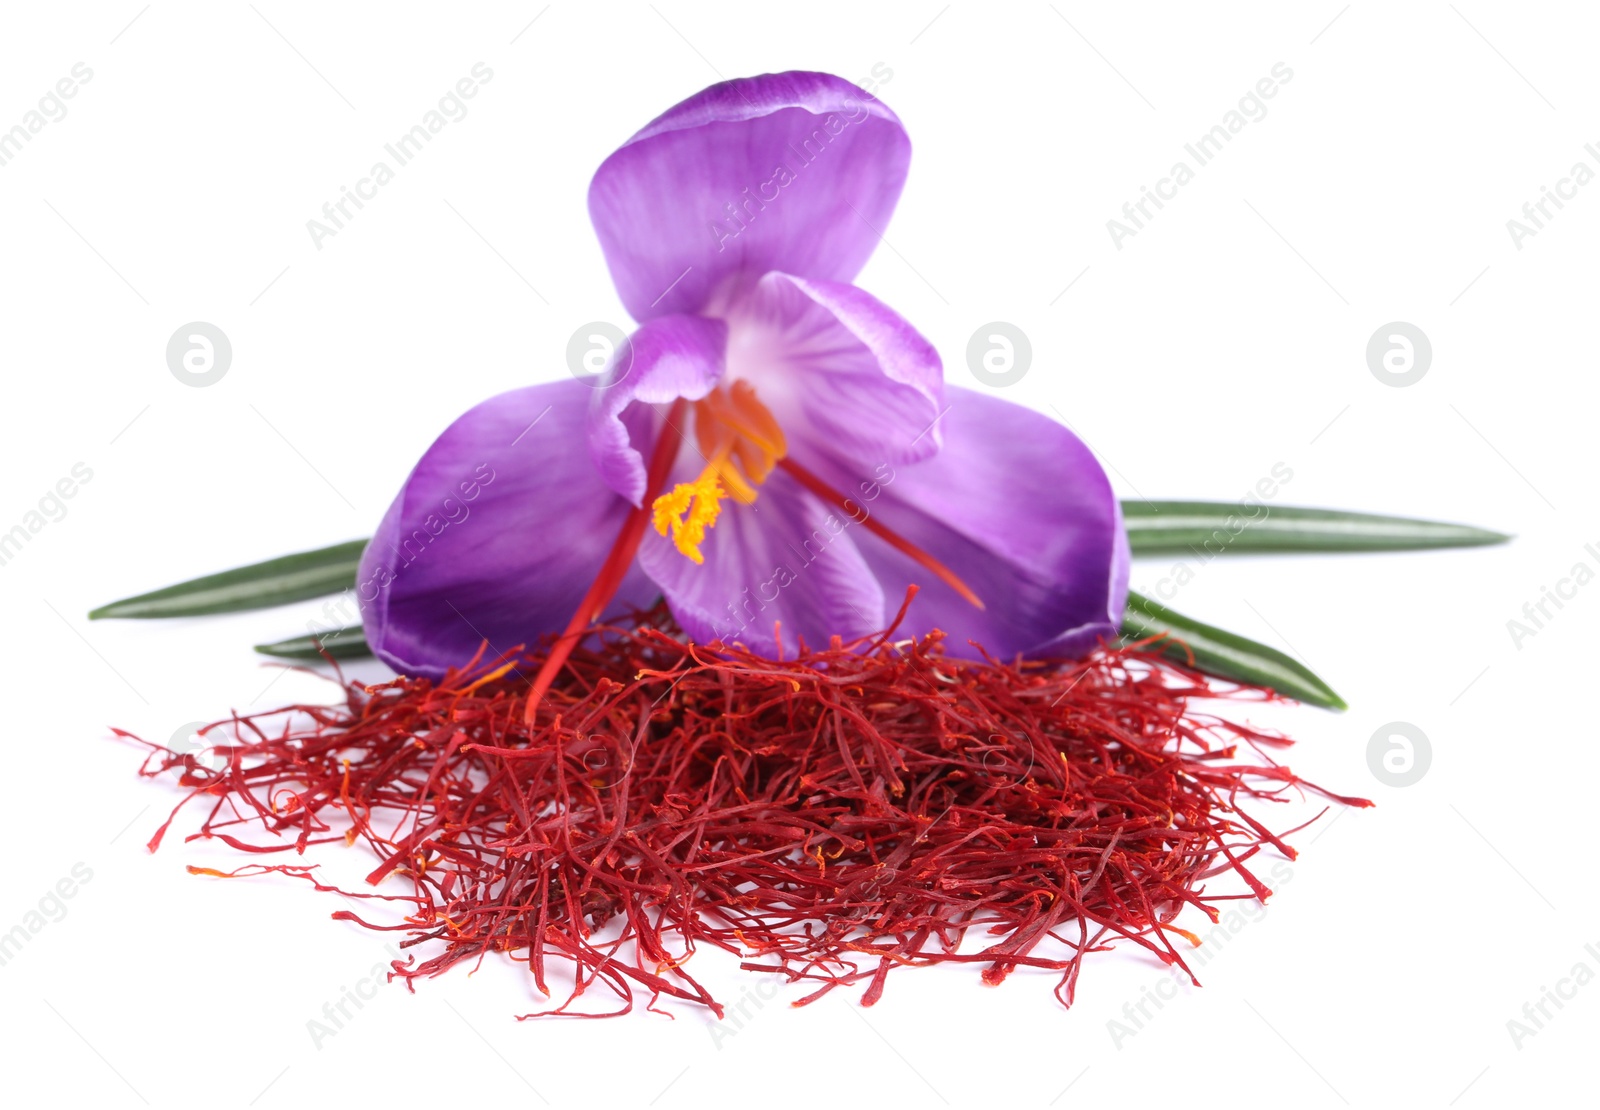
<point>615,568</point>
<point>823,490</point>
<point>829,818</point>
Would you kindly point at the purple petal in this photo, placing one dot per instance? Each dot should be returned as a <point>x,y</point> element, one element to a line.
<point>667,358</point>
<point>497,534</point>
<point>786,558</point>
<point>1018,507</point>
<point>838,368</point>
<point>792,171</point>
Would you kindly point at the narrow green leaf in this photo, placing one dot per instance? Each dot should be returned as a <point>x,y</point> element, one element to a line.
<point>258,586</point>
<point>1225,654</point>
<point>1206,528</point>
<point>341,643</point>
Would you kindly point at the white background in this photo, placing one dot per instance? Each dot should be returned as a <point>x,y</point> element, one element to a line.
<point>1226,336</point>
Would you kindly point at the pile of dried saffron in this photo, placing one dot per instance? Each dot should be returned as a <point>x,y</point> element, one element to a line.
<point>826,818</point>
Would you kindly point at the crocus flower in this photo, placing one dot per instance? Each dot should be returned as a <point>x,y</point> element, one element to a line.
<point>810,461</point>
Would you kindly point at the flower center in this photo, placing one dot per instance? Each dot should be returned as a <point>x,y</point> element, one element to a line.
<point>741,442</point>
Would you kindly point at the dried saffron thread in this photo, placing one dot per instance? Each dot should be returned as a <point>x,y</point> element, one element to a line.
<point>615,567</point>
<point>827,818</point>
<point>859,514</point>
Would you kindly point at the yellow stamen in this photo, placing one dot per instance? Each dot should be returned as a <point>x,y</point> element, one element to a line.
<point>742,443</point>
<point>688,511</point>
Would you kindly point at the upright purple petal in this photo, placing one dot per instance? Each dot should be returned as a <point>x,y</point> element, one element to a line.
<point>496,535</point>
<point>1018,507</point>
<point>667,358</point>
<point>786,558</point>
<point>838,367</point>
<point>792,171</point>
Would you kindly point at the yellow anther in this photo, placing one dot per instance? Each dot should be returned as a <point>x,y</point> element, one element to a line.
<point>688,511</point>
<point>742,443</point>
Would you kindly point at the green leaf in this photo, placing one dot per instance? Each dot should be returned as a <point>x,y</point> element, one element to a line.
<point>1224,654</point>
<point>1206,528</point>
<point>341,643</point>
<point>257,586</point>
